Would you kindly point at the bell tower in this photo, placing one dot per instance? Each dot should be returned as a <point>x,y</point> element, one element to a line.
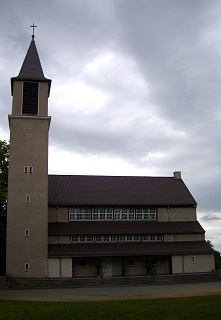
<point>27,212</point>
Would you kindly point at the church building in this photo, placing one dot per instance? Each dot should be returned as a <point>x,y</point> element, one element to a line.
<point>71,226</point>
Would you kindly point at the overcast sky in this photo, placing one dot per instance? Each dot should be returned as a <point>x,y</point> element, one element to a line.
<point>136,88</point>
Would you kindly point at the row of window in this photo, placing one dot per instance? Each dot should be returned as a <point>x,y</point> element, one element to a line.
<point>112,214</point>
<point>117,238</point>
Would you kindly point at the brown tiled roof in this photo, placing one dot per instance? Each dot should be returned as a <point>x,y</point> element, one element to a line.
<point>118,190</point>
<point>122,227</point>
<point>127,249</point>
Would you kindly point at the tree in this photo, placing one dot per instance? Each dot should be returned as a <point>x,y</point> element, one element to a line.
<point>4,161</point>
<point>217,256</point>
<point>150,268</point>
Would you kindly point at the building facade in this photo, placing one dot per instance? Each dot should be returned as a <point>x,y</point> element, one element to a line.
<point>87,226</point>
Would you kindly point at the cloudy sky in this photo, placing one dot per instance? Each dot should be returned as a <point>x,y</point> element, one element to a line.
<point>136,88</point>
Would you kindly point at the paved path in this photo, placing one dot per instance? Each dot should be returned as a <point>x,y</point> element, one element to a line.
<point>114,293</point>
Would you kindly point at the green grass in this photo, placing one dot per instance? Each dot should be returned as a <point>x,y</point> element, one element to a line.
<point>194,308</point>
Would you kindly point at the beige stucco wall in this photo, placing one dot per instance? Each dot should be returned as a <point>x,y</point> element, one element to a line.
<point>57,214</point>
<point>53,239</point>
<point>169,237</point>
<point>66,267</point>
<point>64,239</point>
<point>177,214</point>
<point>62,214</point>
<point>43,98</point>
<point>24,151</point>
<point>60,268</point>
<point>54,268</point>
<point>59,239</point>
<point>113,267</point>
<point>88,271</point>
<point>52,214</point>
<point>186,264</point>
<point>190,237</point>
<point>184,237</point>
<point>177,264</point>
<point>203,263</point>
<point>28,147</point>
<point>18,96</point>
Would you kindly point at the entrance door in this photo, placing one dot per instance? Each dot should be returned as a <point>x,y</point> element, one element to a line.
<point>107,267</point>
<point>170,265</point>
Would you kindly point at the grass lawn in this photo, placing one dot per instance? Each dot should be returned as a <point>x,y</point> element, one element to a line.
<point>192,308</point>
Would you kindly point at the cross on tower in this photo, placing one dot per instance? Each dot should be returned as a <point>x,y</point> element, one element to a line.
<point>33,35</point>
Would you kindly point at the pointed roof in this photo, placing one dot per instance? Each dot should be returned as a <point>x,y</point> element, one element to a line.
<point>31,68</point>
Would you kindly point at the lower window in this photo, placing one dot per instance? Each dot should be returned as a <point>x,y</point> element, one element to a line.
<point>82,263</point>
<point>130,263</point>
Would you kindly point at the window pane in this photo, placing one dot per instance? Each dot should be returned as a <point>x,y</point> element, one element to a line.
<point>72,216</point>
<point>117,216</point>
<point>130,262</point>
<point>83,263</point>
<point>87,216</point>
<point>113,238</point>
<point>74,239</point>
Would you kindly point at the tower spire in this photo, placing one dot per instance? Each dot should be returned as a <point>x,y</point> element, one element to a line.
<point>33,32</point>
<point>31,69</point>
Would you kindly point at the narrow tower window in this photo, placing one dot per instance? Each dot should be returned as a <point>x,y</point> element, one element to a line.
<point>28,198</point>
<point>30,98</point>
<point>27,232</point>
<point>28,169</point>
<point>25,169</point>
<point>26,267</point>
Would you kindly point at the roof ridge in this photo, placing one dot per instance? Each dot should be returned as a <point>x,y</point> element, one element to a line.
<point>106,176</point>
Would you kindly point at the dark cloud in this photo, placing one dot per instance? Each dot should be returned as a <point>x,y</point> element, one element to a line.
<point>210,218</point>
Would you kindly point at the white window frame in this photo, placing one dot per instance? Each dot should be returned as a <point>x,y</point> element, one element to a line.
<point>25,169</point>
<point>118,213</point>
<point>90,238</point>
<point>98,238</point>
<point>122,238</point>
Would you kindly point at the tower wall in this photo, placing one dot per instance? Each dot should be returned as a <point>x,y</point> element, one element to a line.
<point>27,234</point>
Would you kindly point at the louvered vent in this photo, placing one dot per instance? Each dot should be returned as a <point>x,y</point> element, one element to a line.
<point>30,98</point>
